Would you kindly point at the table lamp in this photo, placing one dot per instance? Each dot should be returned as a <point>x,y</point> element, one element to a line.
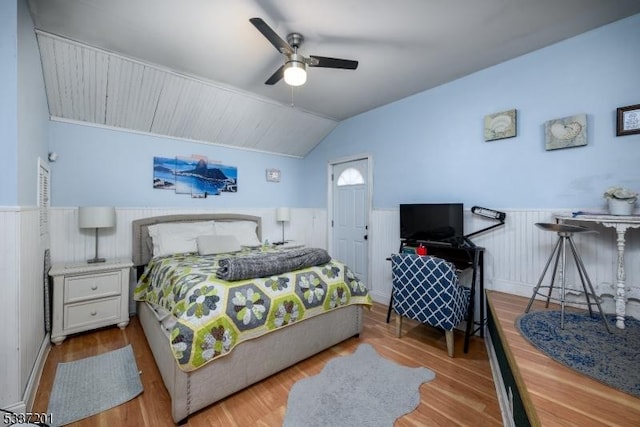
<point>283,215</point>
<point>96,217</point>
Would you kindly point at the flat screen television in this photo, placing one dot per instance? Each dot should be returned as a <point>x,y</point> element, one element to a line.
<point>431,221</point>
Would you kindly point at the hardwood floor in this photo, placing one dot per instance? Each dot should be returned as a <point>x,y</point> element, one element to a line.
<point>462,394</point>
<point>559,396</point>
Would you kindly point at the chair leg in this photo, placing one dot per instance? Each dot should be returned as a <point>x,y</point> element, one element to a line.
<point>553,279</point>
<point>544,272</point>
<point>581,266</point>
<point>450,342</point>
<point>398,325</point>
<point>390,305</point>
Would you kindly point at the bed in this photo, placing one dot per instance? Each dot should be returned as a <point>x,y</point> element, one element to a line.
<point>194,383</point>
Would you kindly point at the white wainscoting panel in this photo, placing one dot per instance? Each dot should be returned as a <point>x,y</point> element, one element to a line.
<point>516,253</point>
<point>514,257</point>
<point>384,236</point>
<point>10,392</point>
<point>22,314</point>
<point>31,317</point>
<point>71,244</point>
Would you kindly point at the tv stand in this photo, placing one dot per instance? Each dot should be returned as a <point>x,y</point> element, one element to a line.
<point>464,255</point>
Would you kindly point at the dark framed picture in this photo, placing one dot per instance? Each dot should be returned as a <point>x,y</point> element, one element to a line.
<point>628,122</point>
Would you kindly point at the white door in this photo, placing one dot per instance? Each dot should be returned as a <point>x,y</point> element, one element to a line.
<point>350,191</point>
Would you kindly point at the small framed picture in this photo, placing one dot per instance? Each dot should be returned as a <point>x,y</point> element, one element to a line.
<point>566,132</point>
<point>628,122</point>
<point>273,175</point>
<point>500,125</point>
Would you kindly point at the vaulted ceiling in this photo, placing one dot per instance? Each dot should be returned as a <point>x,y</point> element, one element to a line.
<point>195,69</point>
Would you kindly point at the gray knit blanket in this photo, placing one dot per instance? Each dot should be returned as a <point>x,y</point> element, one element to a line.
<point>270,264</point>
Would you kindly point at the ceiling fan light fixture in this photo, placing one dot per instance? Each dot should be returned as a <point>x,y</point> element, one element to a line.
<point>295,71</point>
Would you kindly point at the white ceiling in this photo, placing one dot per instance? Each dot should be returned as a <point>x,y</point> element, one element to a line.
<point>403,47</point>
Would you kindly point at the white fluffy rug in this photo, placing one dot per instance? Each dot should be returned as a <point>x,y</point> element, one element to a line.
<point>362,389</point>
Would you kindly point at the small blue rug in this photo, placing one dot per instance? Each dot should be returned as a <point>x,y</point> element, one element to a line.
<point>89,386</point>
<point>585,345</point>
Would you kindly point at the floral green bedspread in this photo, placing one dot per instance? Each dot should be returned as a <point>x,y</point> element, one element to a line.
<point>214,315</point>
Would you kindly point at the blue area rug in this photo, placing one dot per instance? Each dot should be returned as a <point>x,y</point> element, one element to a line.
<point>89,386</point>
<point>585,345</point>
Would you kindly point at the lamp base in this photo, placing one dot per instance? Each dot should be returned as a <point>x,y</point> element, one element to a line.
<point>94,260</point>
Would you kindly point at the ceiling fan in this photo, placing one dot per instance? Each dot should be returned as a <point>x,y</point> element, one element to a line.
<point>294,69</point>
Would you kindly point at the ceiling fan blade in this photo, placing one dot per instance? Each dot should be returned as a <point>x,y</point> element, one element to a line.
<point>275,39</point>
<point>275,77</point>
<point>324,62</point>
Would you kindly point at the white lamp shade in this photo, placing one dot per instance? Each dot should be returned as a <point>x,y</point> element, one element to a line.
<point>295,73</point>
<point>96,217</point>
<point>283,214</point>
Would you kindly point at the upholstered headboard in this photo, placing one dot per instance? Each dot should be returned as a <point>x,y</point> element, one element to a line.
<point>141,241</point>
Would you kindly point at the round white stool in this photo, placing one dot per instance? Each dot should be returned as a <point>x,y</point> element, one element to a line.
<point>565,235</point>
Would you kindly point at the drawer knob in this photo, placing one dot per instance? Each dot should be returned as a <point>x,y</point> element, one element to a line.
<point>93,313</point>
<point>94,287</point>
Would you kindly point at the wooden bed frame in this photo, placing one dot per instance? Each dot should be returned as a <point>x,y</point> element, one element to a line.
<point>250,361</point>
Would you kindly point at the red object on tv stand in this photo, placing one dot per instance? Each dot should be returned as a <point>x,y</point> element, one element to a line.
<point>421,250</point>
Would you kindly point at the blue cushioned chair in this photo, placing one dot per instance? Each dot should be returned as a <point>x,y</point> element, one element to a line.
<point>426,289</point>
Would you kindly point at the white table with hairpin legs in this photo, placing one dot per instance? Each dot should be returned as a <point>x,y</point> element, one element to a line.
<point>620,223</point>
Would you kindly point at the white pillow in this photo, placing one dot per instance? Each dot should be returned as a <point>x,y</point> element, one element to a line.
<point>244,231</point>
<point>214,244</point>
<point>178,237</point>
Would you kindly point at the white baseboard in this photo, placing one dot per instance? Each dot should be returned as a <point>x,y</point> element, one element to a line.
<point>516,288</point>
<point>379,297</point>
<point>29,395</point>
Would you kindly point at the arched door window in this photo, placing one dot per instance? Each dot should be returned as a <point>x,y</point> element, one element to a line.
<point>350,176</point>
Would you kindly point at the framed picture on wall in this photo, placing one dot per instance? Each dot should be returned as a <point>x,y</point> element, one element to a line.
<point>500,125</point>
<point>628,120</point>
<point>273,175</point>
<point>566,132</point>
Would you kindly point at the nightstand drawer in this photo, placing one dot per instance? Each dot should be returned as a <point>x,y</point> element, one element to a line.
<point>84,287</point>
<point>91,313</point>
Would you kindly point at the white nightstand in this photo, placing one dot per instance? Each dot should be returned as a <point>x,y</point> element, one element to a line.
<point>88,296</point>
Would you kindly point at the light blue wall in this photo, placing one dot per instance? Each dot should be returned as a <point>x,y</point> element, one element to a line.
<point>8,101</point>
<point>430,147</point>
<point>99,166</point>
<point>33,113</point>
<point>425,148</point>
<point>24,115</point>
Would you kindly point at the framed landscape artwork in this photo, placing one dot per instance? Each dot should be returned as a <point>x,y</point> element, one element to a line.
<point>195,175</point>
<point>628,120</point>
<point>566,132</point>
<point>500,125</point>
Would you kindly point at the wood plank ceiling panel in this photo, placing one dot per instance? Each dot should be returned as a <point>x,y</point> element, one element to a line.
<point>91,85</point>
<point>75,80</point>
<point>151,89</point>
<point>207,123</point>
<point>49,71</point>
